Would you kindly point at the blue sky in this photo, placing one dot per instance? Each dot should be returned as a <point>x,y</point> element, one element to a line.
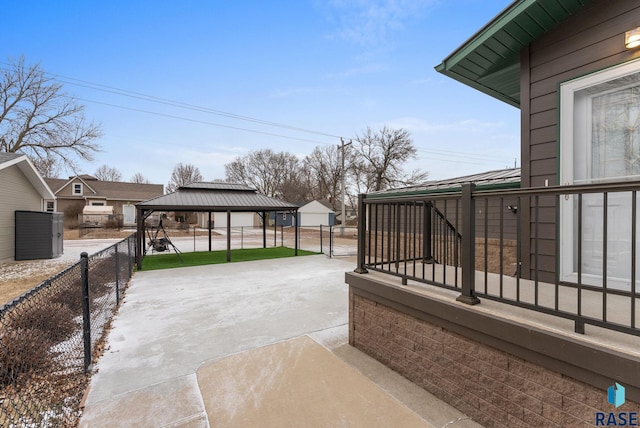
<point>334,67</point>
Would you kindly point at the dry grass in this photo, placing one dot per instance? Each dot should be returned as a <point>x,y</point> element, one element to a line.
<point>24,278</point>
<point>19,277</point>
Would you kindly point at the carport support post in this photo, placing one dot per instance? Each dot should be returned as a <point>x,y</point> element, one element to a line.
<point>139,236</point>
<point>209,227</point>
<point>264,229</point>
<point>86,322</point>
<point>295,219</point>
<point>228,235</point>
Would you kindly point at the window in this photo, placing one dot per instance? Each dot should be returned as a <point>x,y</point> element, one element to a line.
<point>77,188</point>
<point>50,206</point>
<point>599,142</point>
<point>97,204</point>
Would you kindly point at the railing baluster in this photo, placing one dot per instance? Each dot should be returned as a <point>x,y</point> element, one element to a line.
<point>486,245</point>
<point>605,237</point>
<point>633,257</point>
<point>501,261</point>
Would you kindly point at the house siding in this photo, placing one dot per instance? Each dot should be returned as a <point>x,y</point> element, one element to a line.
<point>590,40</point>
<point>16,193</point>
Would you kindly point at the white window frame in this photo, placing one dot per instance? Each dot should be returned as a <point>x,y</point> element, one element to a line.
<point>80,189</point>
<point>567,143</point>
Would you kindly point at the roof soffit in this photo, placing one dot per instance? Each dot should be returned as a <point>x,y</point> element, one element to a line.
<point>490,60</point>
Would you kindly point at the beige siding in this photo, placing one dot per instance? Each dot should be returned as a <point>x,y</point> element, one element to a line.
<point>591,40</point>
<point>16,194</point>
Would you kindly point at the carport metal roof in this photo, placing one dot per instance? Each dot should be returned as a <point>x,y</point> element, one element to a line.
<point>211,197</point>
<point>216,196</point>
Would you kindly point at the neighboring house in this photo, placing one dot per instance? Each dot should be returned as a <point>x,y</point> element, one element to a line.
<point>79,191</point>
<point>316,213</point>
<point>22,189</point>
<point>573,70</point>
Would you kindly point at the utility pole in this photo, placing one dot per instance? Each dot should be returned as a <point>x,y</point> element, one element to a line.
<point>343,217</point>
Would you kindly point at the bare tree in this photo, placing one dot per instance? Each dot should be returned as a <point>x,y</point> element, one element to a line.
<point>324,169</point>
<point>139,179</point>
<point>38,119</point>
<point>183,174</point>
<point>273,174</point>
<point>378,159</point>
<point>47,167</point>
<point>107,173</point>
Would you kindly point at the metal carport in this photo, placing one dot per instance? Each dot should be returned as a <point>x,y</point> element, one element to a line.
<point>212,197</point>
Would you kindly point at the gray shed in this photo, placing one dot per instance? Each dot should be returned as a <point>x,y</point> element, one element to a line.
<point>39,235</point>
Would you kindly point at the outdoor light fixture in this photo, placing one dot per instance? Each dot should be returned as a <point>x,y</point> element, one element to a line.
<point>632,38</point>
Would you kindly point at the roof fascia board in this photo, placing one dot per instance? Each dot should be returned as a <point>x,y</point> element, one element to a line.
<point>11,162</point>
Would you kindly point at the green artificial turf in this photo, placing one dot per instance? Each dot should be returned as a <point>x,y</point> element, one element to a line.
<point>169,261</point>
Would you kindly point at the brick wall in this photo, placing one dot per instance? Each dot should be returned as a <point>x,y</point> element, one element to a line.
<point>493,387</point>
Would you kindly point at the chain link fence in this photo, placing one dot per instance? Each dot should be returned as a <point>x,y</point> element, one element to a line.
<point>329,240</point>
<point>51,335</point>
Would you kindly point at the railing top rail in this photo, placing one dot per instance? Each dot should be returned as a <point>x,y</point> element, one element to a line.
<point>511,192</point>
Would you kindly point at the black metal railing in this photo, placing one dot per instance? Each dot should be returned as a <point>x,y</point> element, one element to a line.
<point>50,336</point>
<point>569,251</point>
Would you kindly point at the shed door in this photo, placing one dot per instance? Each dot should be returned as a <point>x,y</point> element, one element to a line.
<point>129,214</point>
<point>58,234</point>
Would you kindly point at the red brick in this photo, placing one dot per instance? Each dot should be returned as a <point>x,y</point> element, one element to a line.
<point>552,413</point>
<point>528,402</point>
<point>537,420</point>
<point>569,421</point>
<point>503,403</point>
<point>540,392</point>
<point>579,410</point>
<point>515,422</point>
<point>493,357</point>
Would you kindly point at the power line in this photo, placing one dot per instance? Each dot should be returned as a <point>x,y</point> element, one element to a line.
<point>199,121</point>
<point>174,103</point>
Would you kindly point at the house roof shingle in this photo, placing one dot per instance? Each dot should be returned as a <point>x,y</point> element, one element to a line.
<point>114,190</point>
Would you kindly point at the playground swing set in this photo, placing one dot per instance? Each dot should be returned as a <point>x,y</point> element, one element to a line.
<point>162,243</point>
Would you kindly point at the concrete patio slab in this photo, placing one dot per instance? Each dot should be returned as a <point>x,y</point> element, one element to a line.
<point>176,329</point>
<point>296,383</point>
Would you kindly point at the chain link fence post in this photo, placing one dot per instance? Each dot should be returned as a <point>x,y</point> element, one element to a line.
<point>86,310</point>
<point>117,256</point>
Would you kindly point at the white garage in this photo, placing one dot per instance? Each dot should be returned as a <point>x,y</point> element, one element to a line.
<point>315,213</point>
